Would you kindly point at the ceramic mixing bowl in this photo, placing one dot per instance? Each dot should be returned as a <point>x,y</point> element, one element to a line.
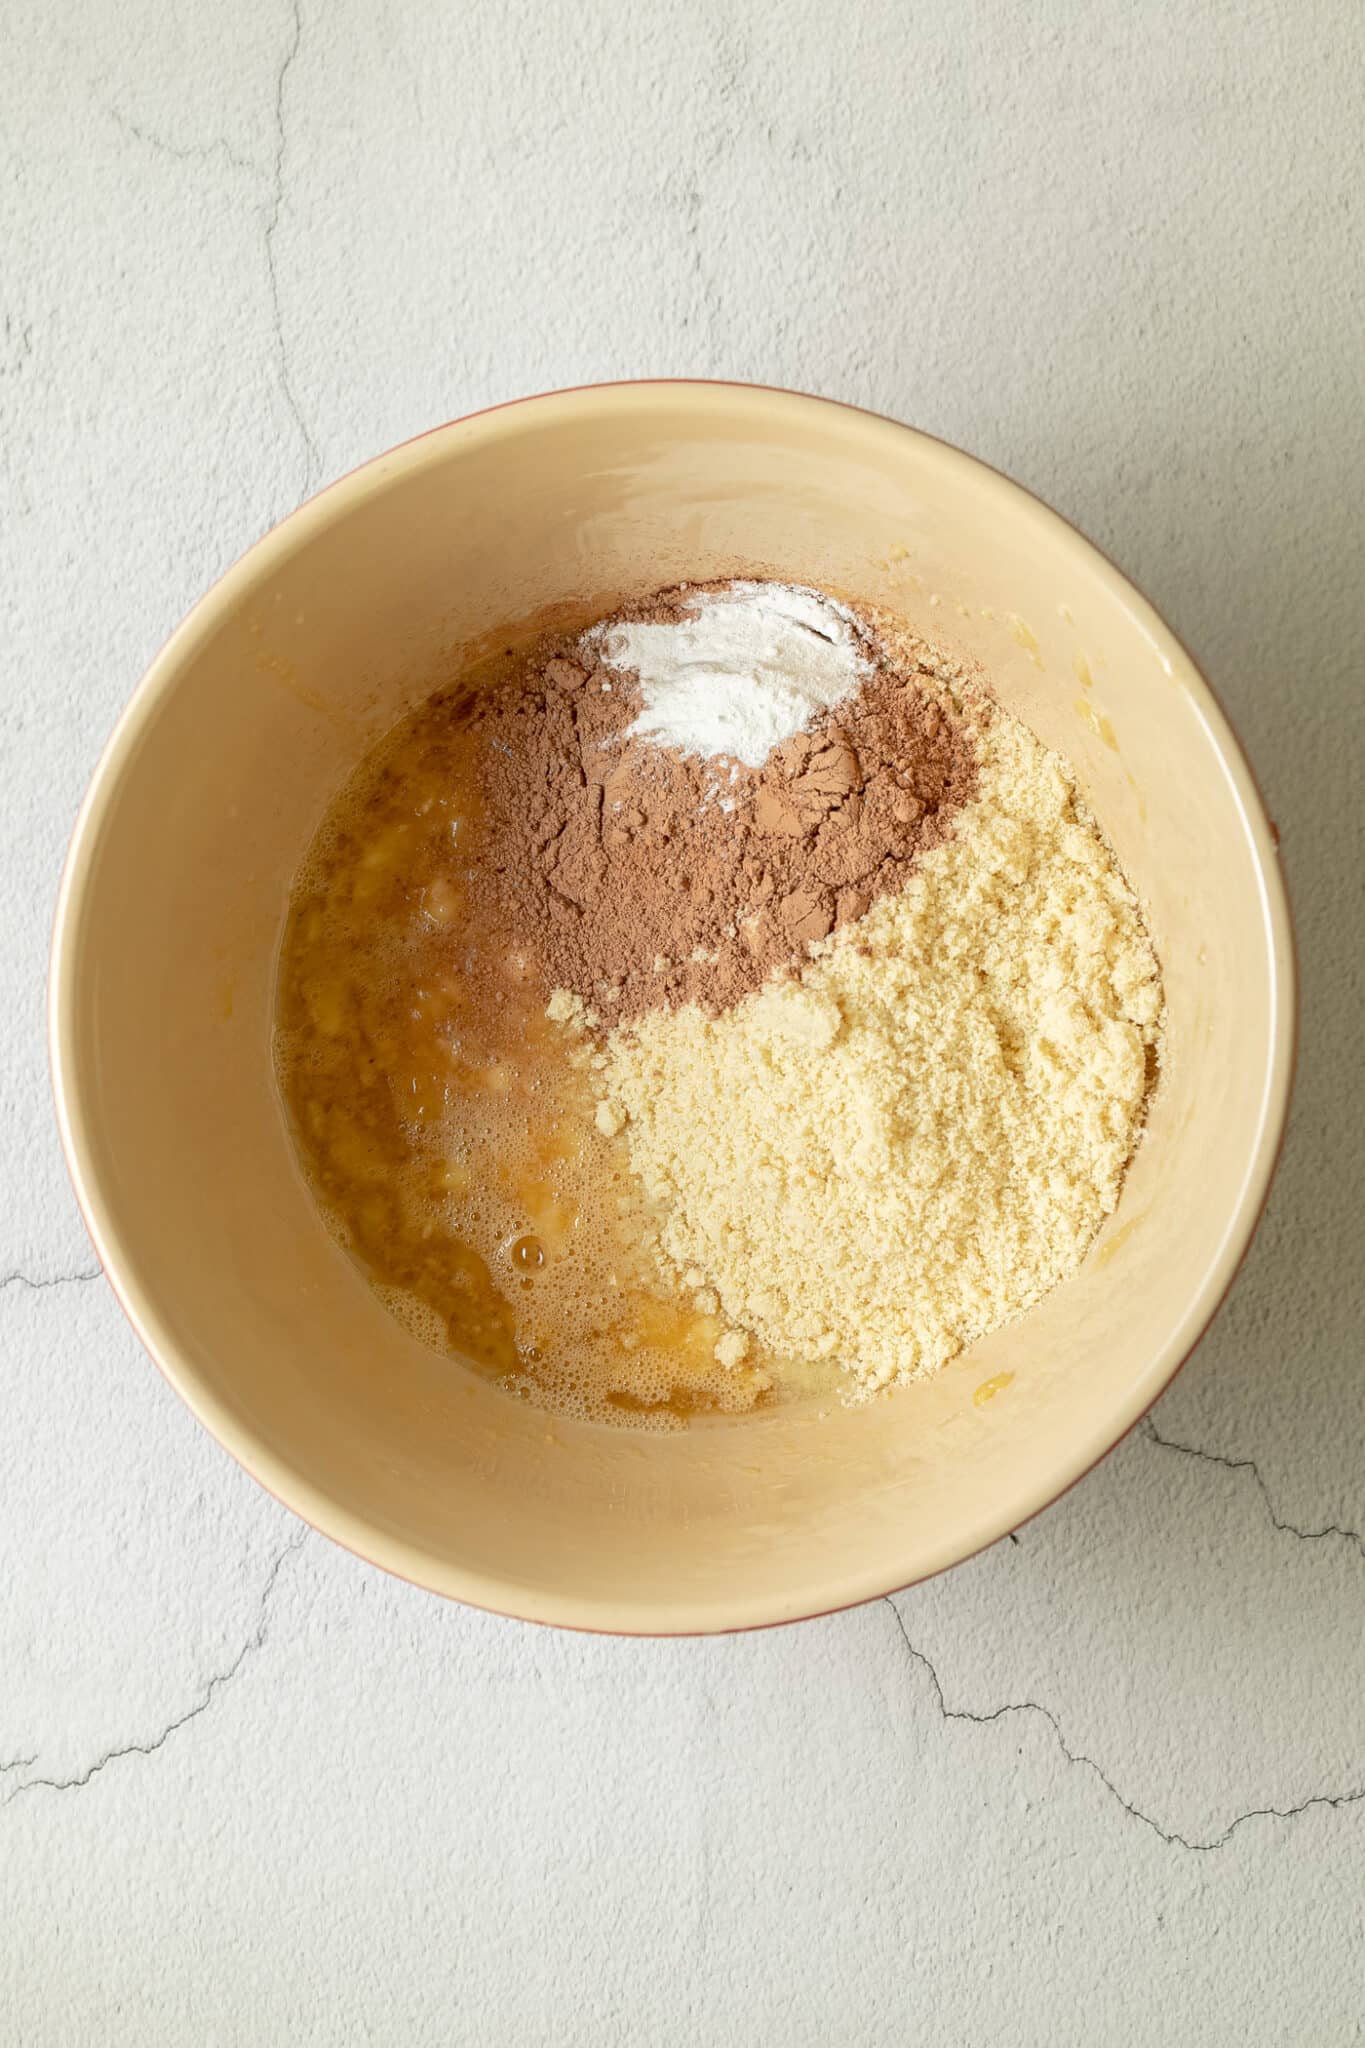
<point>163,973</point>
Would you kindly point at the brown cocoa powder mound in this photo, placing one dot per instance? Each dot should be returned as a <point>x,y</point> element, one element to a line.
<point>638,877</point>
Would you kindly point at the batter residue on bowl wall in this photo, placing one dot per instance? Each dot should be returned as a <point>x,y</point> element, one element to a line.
<point>725,1003</point>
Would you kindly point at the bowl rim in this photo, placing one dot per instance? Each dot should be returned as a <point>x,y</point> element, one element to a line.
<point>407,1560</point>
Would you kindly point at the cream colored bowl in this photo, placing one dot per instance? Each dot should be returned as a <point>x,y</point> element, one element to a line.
<point>163,973</point>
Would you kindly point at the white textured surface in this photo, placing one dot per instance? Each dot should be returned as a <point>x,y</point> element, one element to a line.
<point>1104,1784</point>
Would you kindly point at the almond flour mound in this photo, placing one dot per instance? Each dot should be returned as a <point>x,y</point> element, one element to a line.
<point>881,1159</point>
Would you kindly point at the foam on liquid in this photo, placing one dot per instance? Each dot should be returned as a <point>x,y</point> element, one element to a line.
<point>443,1122</point>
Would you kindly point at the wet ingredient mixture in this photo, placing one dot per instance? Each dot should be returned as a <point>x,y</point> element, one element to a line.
<point>452,1145</point>
<point>724,1003</point>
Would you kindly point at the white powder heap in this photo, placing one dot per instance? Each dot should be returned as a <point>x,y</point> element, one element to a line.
<point>749,666</point>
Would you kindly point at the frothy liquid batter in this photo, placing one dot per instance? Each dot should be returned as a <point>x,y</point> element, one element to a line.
<point>445,1127</point>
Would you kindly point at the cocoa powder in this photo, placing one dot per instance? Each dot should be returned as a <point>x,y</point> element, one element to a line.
<point>638,878</point>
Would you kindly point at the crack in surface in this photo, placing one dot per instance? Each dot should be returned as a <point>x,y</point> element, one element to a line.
<point>1339,1529</point>
<point>312,460</point>
<point>208,1692</point>
<point>685,189</point>
<point>181,153</point>
<point>17,1278</point>
<point>18,345</point>
<point>1170,1836</point>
